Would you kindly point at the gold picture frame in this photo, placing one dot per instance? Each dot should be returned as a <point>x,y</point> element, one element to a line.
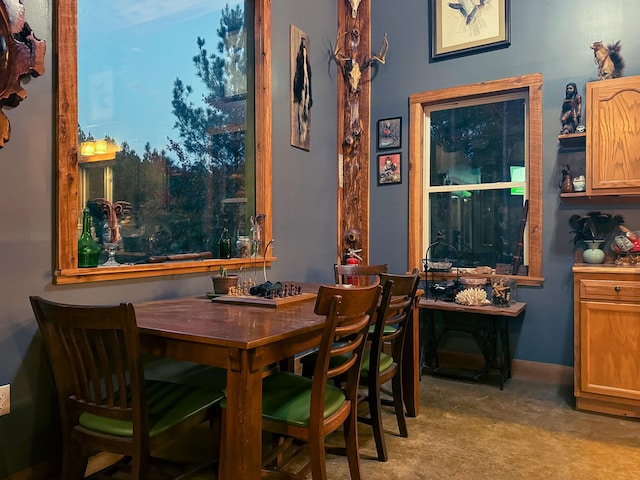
<point>467,27</point>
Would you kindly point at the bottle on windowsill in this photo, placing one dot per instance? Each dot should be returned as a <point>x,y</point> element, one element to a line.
<point>88,248</point>
<point>224,244</point>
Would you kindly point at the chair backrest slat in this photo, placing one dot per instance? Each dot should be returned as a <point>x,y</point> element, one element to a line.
<point>349,311</point>
<point>95,357</point>
<point>357,274</point>
<point>394,314</point>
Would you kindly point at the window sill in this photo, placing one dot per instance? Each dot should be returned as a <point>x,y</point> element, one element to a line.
<point>128,272</point>
<point>520,279</point>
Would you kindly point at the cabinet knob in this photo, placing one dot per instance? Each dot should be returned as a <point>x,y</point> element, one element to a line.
<point>617,289</point>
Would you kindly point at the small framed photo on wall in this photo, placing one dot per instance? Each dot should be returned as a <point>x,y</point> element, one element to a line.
<point>389,133</point>
<point>389,169</point>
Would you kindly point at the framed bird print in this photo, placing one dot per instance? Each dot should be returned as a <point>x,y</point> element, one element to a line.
<point>465,27</point>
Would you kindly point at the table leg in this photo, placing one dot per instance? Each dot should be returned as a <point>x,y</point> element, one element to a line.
<point>243,436</point>
<point>428,340</point>
<point>505,352</point>
<point>411,365</point>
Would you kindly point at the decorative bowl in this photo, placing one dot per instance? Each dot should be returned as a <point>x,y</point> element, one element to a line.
<point>473,282</point>
<point>439,265</point>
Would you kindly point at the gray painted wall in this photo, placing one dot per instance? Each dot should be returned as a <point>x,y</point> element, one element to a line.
<point>304,212</point>
<point>547,36</point>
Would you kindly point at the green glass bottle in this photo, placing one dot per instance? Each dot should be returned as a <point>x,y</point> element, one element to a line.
<point>88,248</point>
<point>225,242</point>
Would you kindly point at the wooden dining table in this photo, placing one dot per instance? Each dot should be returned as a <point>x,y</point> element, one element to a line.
<point>243,339</point>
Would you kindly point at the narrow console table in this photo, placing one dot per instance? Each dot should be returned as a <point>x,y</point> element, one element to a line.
<point>487,323</point>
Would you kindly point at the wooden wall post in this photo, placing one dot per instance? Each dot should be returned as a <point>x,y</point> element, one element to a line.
<point>353,56</point>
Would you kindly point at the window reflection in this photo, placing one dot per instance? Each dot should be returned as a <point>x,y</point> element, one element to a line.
<point>166,90</point>
<point>481,148</point>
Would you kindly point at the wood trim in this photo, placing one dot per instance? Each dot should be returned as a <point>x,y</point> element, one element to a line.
<point>521,369</point>
<point>531,83</point>
<point>353,158</point>
<point>416,177</point>
<point>66,164</point>
<point>263,103</point>
<point>66,28</point>
<point>128,272</point>
<point>534,85</point>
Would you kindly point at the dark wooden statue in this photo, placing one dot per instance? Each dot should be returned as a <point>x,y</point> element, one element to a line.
<point>571,109</point>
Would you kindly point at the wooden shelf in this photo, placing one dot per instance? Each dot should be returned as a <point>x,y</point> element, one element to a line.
<point>577,198</point>
<point>572,141</point>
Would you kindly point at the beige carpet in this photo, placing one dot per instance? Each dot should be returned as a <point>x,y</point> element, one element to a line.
<point>471,431</point>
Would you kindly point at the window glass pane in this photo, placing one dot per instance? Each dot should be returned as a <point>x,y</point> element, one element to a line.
<point>482,147</point>
<point>167,91</point>
<point>482,225</point>
<point>477,143</point>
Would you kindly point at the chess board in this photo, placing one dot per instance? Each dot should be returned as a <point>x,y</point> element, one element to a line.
<point>264,302</point>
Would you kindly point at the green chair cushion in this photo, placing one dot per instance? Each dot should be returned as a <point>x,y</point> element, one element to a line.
<point>385,362</point>
<point>287,397</point>
<point>388,329</point>
<point>168,404</point>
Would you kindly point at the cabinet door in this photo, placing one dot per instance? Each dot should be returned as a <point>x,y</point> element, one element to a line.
<point>613,136</point>
<point>610,349</point>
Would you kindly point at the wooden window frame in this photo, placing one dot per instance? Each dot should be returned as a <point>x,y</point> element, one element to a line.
<point>532,85</point>
<point>66,270</point>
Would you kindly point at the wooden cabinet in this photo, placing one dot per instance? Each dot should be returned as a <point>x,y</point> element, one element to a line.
<point>613,137</point>
<point>607,339</point>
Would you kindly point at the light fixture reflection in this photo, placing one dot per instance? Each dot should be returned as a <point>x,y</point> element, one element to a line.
<point>98,150</point>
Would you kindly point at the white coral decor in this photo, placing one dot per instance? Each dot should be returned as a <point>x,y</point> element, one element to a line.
<point>472,296</point>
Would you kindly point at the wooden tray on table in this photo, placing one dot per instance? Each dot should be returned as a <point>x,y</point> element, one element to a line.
<point>264,302</point>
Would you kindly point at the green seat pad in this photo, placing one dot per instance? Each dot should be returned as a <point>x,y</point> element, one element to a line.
<point>168,404</point>
<point>287,397</point>
<point>385,362</point>
<point>388,329</point>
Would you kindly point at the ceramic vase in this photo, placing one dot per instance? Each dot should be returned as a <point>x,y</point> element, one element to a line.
<point>593,254</point>
<point>221,285</point>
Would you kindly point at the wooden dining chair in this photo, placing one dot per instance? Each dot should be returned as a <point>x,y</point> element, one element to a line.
<point>104,401</point>
<point>383,361</point>
<point>357,274</point>
<point>304,410</point>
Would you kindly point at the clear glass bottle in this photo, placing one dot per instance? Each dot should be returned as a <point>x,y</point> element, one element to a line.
<point>88,248</point>
<point>243,246</point>
<point>224,244</point>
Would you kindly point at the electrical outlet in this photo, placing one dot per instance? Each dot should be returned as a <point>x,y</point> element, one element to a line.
<point>5,397</point>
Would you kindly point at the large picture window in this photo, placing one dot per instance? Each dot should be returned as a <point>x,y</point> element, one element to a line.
<point>157,112</point>
<point>477,185</point>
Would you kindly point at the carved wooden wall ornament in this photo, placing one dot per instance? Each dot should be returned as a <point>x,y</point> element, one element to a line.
<point>352,56</point>
<point>21,54</point>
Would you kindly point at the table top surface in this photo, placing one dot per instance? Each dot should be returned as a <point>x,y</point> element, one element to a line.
<point>239,326</point>
<point>512,310</point>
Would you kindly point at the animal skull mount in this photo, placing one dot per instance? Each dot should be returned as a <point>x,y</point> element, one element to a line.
<point>21,54</point>
<point>354,7</point>
<point>351,68</point>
